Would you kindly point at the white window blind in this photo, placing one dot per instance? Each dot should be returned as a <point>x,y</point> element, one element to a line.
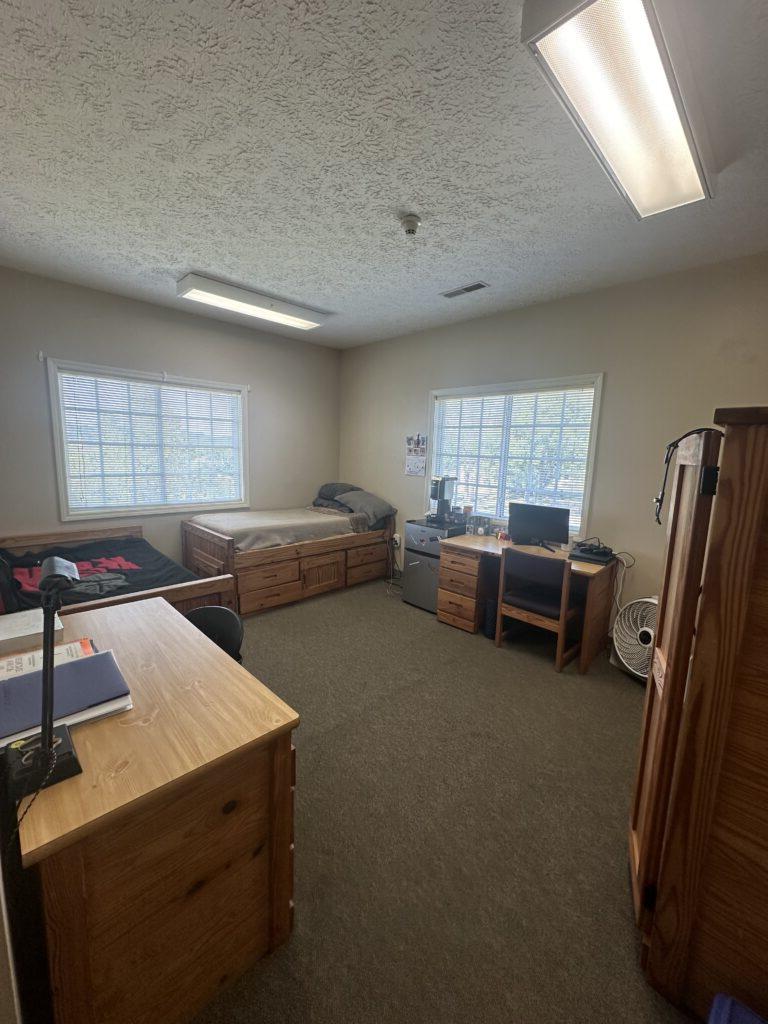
<point>137,443</point>
<point>528,445</point>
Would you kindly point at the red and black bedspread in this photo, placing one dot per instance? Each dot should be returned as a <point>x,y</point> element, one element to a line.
<point>109,567</point>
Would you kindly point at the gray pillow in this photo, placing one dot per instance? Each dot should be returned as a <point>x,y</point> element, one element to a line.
<point>329,503</point>
<point>331,491</point>
<point>373,507</point>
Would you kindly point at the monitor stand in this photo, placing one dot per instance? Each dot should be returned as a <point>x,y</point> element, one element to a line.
<point>541,544</point>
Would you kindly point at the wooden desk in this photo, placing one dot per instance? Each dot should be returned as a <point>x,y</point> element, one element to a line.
<point>469,576</point>
<point>166,868</point>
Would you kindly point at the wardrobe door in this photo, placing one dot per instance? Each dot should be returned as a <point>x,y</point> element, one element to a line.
<point>688,525</point>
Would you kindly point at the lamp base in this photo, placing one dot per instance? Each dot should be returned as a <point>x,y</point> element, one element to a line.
<point>27,764</point>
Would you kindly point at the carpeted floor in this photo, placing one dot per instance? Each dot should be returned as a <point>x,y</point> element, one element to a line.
<point>460,827</point>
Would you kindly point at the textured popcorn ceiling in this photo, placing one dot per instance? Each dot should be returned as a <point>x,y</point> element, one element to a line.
<point>272,144</point>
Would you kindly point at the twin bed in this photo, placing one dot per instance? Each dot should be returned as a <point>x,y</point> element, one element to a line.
<point>278,557</point>
<point>116,565</point>
<point>249,561</point>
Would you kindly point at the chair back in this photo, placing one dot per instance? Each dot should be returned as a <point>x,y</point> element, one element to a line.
<point>521,567</point>
<point>221,625</point>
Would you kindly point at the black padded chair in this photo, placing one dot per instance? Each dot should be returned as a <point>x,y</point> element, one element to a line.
<point>221,625</point>
<point>537,590</point>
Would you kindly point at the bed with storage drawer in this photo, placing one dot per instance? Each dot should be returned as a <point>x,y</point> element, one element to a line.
<point>116,565</point>
<point>282,573</point>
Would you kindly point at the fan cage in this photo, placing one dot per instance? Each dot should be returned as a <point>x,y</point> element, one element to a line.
<point>634,632</point>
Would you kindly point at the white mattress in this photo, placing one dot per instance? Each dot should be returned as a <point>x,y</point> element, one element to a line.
<point>269,529</point>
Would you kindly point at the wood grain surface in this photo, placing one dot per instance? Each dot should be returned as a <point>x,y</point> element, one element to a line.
<point>709,923</point>
<point>193,705</point>
<point>472,544</point>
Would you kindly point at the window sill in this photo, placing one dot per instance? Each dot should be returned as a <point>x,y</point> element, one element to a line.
<point>135,511</point>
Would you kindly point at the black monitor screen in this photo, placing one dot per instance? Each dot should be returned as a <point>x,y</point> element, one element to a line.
<point>533,523</point>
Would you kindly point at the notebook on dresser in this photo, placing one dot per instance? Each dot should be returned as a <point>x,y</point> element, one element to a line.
<point>83,689</point>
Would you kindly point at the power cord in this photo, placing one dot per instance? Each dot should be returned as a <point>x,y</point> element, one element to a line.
<point>626,561</point>
<point>670,451</point>
<point>51,768</point>
<point>395,578</point>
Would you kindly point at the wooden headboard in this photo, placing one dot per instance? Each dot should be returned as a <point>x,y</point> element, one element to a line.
<point>21,543</point>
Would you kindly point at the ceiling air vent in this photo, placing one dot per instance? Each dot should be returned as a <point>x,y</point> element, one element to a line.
<point>463,291</point>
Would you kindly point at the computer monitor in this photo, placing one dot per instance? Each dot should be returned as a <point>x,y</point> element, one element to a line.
<point>531,524</point>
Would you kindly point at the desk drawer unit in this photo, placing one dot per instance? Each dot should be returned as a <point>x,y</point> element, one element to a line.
<point>457,606</point>
<point>457,561</point>
<point>151,917</point>
<point>458,582</point>
<point>459,589</point>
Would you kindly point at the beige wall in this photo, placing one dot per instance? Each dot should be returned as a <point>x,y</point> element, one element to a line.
<point>672,349</point>
<point>293,403</point>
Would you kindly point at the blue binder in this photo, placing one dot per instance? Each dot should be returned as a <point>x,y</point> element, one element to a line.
<point>82,689</point>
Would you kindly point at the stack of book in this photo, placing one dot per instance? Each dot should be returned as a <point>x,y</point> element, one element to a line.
<point>87,684</point>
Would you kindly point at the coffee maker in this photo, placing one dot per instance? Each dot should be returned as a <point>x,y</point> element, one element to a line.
<point>441,491</point>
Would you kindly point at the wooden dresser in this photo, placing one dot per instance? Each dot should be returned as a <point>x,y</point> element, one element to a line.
<point>698,838</point>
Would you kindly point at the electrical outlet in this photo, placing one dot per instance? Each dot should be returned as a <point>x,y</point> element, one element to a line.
<point>396,540</point>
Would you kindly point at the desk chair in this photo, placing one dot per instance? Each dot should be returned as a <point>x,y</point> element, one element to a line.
<point>221,625</point>
<point>537,590</point>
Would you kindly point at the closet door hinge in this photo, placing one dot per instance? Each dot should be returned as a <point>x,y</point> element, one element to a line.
<point>708,480</point>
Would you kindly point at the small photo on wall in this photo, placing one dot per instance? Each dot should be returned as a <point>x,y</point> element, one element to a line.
<point>415,454</point>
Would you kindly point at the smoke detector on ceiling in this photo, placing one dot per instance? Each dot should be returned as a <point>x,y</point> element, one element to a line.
<point>411,223</point>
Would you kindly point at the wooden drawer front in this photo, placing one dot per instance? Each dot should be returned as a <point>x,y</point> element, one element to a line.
<point>457,582</point>
<point>268,576</point>
<point>323,572</point>
<point>371,571</point>
<point>456,604</point>
<point>271,597</point>
<point>224,816</point>
<point>454,620</point>
<point>367,554</point>
<point>135,901</point>
<point>458,562</point>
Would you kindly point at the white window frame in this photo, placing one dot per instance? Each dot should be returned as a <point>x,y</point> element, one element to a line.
<point>57,366</point>
<point>594,380</point>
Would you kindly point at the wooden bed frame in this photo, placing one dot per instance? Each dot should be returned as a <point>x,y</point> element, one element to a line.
<point>183,596</point>
<point>269,577</point>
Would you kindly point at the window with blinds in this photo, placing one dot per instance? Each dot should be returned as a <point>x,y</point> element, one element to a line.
<point>145,443</point>
<point>524,445</point>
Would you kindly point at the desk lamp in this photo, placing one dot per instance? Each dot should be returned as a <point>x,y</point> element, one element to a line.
<point>43,760</point>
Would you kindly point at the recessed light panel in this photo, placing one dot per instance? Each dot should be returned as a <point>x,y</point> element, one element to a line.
<point>610,68</point>
<point>242,300</point>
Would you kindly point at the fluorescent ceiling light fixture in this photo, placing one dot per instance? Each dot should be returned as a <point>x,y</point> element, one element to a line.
<point>241,300</point>
<point>607,61</point>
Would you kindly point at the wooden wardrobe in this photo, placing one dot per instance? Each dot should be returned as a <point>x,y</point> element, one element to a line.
<point>698,838</point>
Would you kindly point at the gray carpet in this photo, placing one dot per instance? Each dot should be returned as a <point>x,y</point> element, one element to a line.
<point>460,826</point>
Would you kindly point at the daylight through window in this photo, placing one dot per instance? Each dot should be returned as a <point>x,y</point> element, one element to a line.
<point>531,446</point>
<point>134,443</point>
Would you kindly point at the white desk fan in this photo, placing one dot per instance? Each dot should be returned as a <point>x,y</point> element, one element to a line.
<point>634,632</point>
